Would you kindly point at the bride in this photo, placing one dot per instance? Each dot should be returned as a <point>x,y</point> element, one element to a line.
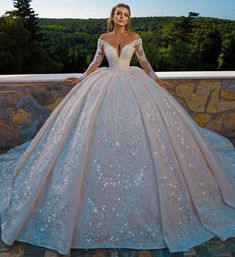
<point>119,163</point>
<point>119,37</point>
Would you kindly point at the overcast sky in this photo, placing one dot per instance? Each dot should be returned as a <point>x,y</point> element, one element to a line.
<point>140,8</point>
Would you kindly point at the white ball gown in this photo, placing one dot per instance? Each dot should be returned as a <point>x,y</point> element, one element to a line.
<point>119,163</point>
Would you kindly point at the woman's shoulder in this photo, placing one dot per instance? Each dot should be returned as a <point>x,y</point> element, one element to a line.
<point>104,36</point>
<point>134,35</point>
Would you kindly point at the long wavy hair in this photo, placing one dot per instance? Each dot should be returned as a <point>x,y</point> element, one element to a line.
<point>110,19</point>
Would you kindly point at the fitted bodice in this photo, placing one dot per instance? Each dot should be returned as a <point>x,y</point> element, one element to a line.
<point>120,60</point>
<point>114,59</point>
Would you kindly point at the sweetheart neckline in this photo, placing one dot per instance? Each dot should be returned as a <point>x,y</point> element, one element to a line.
<point>122,47</point>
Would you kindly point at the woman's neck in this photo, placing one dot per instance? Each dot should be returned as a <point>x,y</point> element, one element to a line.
<point>118,30</point>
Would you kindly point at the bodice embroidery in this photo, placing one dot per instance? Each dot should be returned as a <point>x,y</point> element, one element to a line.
<point>120,60</point>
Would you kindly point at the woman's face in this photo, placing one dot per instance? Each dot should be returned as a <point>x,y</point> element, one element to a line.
<point>121,16</point>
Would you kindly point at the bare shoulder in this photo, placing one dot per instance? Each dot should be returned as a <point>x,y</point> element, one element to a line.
<point>104,36</point>
<point>134,35</point>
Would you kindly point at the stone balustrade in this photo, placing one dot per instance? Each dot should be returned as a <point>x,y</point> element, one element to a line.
<point>26,101</point>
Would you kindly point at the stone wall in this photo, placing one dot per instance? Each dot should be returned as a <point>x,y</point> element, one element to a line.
<point>24,107</point>
<point>211,103</point>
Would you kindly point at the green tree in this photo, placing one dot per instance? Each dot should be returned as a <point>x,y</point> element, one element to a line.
<point>176,43</point>
<point>19,53</point>
<point>226,59</point>
<point>24,10</point>
<point>13,39</point>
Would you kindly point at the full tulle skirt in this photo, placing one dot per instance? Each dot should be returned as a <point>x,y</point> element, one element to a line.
<point>119,163</point>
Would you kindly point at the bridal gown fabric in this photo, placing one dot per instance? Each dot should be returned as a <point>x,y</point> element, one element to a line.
<point>119,163</point>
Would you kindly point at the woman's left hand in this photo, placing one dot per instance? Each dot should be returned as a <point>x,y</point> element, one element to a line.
<point>165,84</point>
<point>72,80</point>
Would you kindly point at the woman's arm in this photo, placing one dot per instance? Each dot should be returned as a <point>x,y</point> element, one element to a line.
<point>97,60</point>
<point>139,51</point>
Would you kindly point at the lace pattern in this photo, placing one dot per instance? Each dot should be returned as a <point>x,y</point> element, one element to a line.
<point>143,60</point>
<point>99,55</point>
<point>123,59</point>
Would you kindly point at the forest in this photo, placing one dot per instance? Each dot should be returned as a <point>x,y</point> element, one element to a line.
<point>192,43</point>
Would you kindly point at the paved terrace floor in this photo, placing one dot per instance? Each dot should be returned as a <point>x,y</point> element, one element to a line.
<point>211,248</point>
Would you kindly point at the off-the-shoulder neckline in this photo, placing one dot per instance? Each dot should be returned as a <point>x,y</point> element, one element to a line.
<point>130,43</point>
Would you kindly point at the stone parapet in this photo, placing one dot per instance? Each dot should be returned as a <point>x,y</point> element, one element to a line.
<point>211,103</point>
<point>26,101</point>
<point>24,107</point>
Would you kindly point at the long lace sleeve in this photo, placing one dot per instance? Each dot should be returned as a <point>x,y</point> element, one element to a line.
<point>97,60</point>
<point>139,51</point>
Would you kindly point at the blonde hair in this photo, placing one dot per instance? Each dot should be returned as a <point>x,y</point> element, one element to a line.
<point>110,21</point>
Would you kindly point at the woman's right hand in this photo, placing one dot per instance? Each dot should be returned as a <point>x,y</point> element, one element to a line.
<point>165,84</point>
<point>72,80</point>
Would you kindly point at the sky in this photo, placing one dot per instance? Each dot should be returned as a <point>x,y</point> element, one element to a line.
<point>140,8</point>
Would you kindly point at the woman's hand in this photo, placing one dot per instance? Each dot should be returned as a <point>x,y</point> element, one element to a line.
<point>72,80</point>
<point>164,84</point>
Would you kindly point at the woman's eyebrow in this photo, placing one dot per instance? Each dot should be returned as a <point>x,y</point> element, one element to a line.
<point>123,12</point>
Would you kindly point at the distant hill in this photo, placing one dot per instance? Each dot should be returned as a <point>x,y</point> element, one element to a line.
<point>171,43</point>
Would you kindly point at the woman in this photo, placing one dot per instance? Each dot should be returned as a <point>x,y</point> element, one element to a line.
<point>119,163</point>
<point>119,36</point>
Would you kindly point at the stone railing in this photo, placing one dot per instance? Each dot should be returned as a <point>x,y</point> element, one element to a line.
<point>26,101</point>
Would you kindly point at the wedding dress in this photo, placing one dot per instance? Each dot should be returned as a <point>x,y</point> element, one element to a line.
<point>119,163</point>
